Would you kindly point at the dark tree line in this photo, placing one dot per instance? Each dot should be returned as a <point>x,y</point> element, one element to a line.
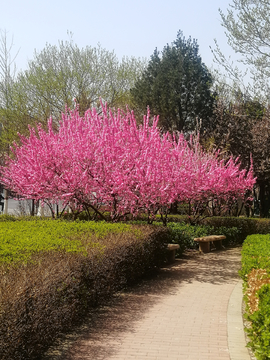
<point>242,128</point>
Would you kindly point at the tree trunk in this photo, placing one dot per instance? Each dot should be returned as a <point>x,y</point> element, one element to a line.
<point>264,198</point>
<point>33,208</point>
<point>5,201</point>
<point>173,208</point>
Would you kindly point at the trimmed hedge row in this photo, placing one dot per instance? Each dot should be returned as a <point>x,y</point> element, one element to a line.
<point>256,275</point>
<point>20,239</point>
<point>44,296</point>
<point>183,234</point>
<point>255,254</point>
<point>246,226</point>
<point>236,229</point>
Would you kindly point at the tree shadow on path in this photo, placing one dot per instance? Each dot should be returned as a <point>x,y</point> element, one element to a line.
<point>100,334</point>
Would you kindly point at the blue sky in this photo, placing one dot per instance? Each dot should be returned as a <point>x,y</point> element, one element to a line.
<point>130,28</point>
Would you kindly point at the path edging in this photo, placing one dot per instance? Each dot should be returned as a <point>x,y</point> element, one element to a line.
<point>235,326</point>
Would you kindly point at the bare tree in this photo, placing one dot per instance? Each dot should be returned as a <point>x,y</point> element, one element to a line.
<point>247,27</point>
<point>7,69</point>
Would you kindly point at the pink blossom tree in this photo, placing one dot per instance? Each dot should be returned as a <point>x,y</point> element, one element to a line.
<point>109,159</point>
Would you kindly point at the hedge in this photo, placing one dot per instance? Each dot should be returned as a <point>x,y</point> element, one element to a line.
<point>218,225</point>
<point>48,289</point>
<point>184,234</point>
<point>255,272</point>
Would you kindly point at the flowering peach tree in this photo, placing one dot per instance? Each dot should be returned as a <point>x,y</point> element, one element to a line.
<point>109,159</point>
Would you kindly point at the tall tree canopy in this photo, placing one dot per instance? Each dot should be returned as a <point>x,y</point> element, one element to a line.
<point>59,74</point>
<point>54,78</point>
<point>176,86</point>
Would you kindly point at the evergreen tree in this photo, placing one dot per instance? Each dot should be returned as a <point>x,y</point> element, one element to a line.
<point>176,86</point>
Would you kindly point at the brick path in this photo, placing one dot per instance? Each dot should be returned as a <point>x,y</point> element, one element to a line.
<point>190,310</point>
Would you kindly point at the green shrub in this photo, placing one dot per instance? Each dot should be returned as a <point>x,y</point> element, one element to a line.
<point>221,225</point>
<point>4,218</point>
<point>19,240</point>
<point>259,332</point>
<point>246,226</point>
<point>255,254</point>
<point>184,234</point>
<point>54,284</point>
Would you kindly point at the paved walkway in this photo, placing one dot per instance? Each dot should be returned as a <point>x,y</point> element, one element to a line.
<point>190,310</point>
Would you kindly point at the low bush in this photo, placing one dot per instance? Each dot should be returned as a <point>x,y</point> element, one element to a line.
<point>4,218</point>
<point>52,285</point>
<point>255,254</point>
<point>255,272</point>
<point>245,226</point>
<point>259,332</point>
<point>21,239</point>
<point>184,234</point>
